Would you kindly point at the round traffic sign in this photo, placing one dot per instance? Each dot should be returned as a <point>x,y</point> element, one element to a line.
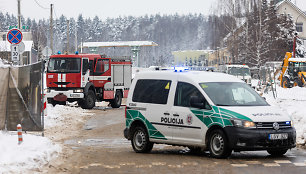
<point>14,36</point>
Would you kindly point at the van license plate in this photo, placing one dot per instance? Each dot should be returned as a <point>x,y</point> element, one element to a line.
<point>278,136</point>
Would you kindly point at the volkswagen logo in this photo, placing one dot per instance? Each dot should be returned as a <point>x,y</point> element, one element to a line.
<point>276,126</point>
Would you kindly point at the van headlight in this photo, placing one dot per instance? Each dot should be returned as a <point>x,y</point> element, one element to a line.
<point>78,90</point>
<point>243,123</point>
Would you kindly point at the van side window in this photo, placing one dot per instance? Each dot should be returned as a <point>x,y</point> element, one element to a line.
<point>184,92</point>
<point>151,91</point>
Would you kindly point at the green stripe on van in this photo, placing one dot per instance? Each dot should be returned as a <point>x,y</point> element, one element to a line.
<point>132,115</point>
<point>217,116</point>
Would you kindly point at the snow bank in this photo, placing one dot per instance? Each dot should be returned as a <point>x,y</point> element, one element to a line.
<point>292,101</point>
<point>56,115</point>
<point>34,152</point>
<point>3,64</point>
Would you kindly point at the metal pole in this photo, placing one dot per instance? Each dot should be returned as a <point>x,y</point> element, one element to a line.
<point>19,15</point>
<point>51,28</point>
<point>42,97</point>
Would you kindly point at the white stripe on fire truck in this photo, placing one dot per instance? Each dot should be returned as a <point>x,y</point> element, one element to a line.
<point>59,79</point>
<point>64,79</point>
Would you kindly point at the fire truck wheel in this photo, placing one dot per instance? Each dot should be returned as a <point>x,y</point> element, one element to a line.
<point>298,82</point>
<point>116,102</point>
<point>286,82</point>
<point>89,100</point>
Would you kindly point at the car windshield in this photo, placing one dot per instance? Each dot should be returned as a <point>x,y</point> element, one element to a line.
<point>64,65</point>
<point>239,71</point>
<point>232,94</point>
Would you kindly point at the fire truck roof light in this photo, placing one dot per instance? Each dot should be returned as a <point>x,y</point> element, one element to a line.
<point>76,52</point>
<point>59,52</point>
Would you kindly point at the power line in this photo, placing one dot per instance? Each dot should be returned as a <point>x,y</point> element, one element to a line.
<point>41,5</point>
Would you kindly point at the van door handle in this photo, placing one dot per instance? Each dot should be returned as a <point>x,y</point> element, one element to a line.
<point>166,113</point>
<point>176,115</point>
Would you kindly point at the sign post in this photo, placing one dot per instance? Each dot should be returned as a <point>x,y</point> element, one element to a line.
<point>15,52</point>
<point>14,37</point>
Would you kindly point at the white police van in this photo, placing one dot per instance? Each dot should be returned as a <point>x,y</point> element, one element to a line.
<point>203,111</point>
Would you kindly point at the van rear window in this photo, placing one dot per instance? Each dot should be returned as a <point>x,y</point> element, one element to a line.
<point>151,91</point>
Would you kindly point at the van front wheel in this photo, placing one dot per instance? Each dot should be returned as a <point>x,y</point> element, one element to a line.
<point>140,141</point>
<point>218,144</point>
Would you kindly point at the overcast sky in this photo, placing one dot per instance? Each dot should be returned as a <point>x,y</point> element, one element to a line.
<point>105,8</point>
<point>39,9</point>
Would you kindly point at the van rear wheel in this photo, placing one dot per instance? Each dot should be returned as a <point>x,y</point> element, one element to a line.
<point>140,141</point>
<point>218,144</point>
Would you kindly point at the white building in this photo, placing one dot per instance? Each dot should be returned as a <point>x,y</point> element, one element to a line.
<point>298,16</point>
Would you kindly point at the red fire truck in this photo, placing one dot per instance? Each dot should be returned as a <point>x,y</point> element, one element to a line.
<point>87,78</point>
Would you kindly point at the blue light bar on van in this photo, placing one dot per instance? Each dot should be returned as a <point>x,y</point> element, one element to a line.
<point>287,122</point>
<point>59,52</point>
<point>180,69</point>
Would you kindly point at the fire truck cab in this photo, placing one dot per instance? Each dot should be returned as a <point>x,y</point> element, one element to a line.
<point>87,78</point>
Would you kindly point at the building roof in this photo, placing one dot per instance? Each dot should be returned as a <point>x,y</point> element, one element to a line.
<point>118,44</point>
<point>197,51</point>
<point>5,46</point>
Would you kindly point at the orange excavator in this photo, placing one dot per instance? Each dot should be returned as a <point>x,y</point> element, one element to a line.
<point>293,71</point>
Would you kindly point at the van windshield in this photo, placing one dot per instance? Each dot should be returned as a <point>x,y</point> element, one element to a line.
<point>232,94</point>
<point>238,71</point>
<point>64,65</point>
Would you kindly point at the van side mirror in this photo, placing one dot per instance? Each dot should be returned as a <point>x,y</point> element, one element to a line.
<point>198,102</point>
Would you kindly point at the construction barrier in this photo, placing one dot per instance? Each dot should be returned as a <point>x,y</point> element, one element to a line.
<point>20,97</point>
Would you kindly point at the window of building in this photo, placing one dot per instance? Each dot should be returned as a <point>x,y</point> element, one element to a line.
<point>299,27</point>
<point>152,91</point>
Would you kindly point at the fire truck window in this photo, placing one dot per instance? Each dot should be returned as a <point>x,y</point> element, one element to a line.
<point>91,67</point>
<point>102,66</point>
<point>67,65</point>
<point>106,66</point>
<point>99,67</point>
<point>85,66</point>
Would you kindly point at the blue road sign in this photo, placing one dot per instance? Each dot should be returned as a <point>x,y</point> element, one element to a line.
<point>14,36</point>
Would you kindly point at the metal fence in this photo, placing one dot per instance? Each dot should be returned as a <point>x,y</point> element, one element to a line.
<point>20,97</point>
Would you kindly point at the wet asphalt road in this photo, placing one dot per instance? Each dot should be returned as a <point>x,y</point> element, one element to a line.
<point>101,148</point>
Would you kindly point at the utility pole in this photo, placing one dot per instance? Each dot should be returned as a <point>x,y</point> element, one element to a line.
<point>67,36</point>
<point>75,38</point>
<point>51,28</point>
<point>19,15</point>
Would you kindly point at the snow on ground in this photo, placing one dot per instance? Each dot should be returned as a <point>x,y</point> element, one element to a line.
<point>292,101</point>
<point>34,152</point>
<point>55,115</point>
